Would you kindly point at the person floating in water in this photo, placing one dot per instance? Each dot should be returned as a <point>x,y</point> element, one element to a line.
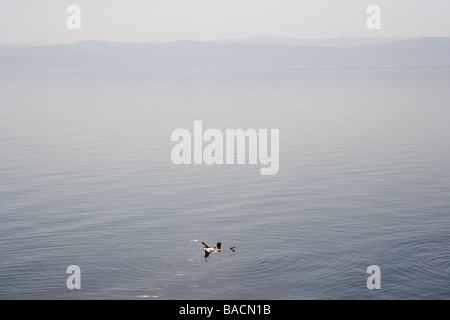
<point>218,248</point>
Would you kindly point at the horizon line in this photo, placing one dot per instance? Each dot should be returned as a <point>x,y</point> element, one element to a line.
<point>225,40</point>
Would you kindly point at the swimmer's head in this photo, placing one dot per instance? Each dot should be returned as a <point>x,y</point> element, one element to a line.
<point>219,245</point>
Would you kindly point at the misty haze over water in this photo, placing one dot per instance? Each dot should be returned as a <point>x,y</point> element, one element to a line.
<point>87,179</point>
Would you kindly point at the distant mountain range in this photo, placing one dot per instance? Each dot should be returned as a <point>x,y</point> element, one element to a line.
<point>255,53</point>
<point>325,42</point>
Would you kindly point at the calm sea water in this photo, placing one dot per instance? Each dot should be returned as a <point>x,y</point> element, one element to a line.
<point>86,179</point>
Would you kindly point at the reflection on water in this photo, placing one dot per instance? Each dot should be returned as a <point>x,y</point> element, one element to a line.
<point>87,179</point>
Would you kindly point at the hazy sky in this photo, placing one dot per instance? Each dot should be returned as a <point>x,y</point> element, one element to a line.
<point>44,21</point>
